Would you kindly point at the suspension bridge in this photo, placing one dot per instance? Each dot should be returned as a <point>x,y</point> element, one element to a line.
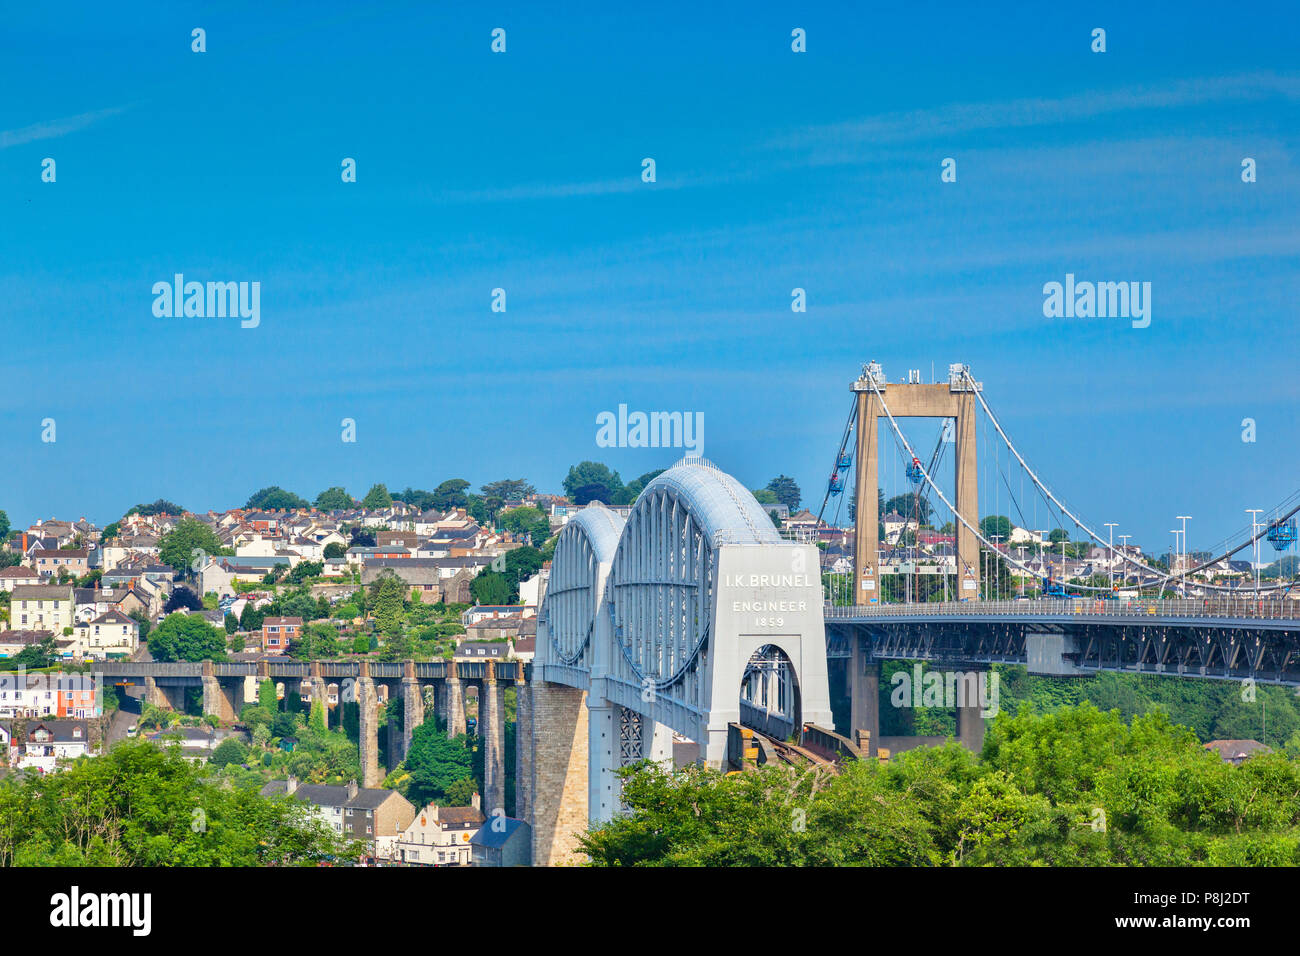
<point>696,621</point>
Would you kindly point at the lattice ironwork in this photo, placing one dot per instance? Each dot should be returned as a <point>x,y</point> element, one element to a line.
<point>631,737</point>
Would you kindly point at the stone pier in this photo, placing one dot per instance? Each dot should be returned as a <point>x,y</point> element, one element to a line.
<point>368,729</point>
<point>217,699</point>
<point>319,695</point>
<point>455,702</point>
<point>864,696</point>
<point>558,785</point>
<point>491,717</point>
<point>412,707</point>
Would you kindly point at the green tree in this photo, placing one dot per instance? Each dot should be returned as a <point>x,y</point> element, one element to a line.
<point>417,498</point>
<point>230,750</point>
<point>304,570</point>
<point>316,641</point>
<point>592,481</point>
<point>186,637</point>
<point>250,618</point>
<point>786,491</point>
<point>316,718</point>
<point>450,494</point>
<point>388,594</point>
<point>490,587</point>
<point>637,485</point>
<point>522,564</point>
<point>187,543</point>
<point>527,520</point>
<point>275,498</point>
<point>137,805</point>
<point>508,489</point>
<point>999,525</point>
<point>266,697</point>
<point>377,497</point>
<point>435,762</point>
<point>160,507</point>
<point>335,549</point>
<point>334,499</point>
<point>460,793</point>
<point>910,506</point>
<point>41,654</point>
<point>4,526</point>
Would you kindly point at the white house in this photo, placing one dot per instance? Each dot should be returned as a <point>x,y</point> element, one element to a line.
<point>439,836</point>
<point>27,695</point>
<point>49,742</point>
<point>111,633</point>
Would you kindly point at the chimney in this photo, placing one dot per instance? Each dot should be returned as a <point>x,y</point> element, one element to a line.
<point>352,789</point>
<point>291,786</point>
<point>476,802</point>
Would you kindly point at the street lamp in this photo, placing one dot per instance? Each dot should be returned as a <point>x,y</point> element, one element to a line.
<point>1254,537</point>
<point>1110,558</point>
<point>1042,540</point>
<point>1123,540</point>
<point>1183,567</point>
<point>1173,554</point>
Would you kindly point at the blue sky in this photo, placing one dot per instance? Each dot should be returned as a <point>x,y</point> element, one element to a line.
<point>522,171</point>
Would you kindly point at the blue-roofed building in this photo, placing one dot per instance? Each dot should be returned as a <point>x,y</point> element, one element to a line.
<point>502,841</point>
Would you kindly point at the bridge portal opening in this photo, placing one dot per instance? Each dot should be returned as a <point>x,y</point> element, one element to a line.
<point>769,694</point>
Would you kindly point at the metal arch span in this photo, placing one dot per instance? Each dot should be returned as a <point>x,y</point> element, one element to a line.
<point>567,617</point>
<point>663,578</point>
<point>698,582</point>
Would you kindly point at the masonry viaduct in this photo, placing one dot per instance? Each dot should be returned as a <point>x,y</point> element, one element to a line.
<point>440,686</point>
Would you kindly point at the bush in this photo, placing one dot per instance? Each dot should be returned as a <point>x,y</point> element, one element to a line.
<point>231,750</point>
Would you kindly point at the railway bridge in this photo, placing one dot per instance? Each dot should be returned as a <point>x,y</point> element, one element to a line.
<point>689,617</point>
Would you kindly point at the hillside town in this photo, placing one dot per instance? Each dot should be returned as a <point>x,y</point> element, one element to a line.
<point>420,576</point>
<point>381,579</point>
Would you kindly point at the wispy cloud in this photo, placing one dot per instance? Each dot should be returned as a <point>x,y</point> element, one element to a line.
<point>53,129</point>
<point>958,118</point>
<point>605,187</point>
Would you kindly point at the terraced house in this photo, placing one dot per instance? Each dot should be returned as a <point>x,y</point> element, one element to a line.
<point>370,815</point>
<point>41,607</point>
<point>51,563</point>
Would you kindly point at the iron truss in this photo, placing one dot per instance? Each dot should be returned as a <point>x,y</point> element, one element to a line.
<point>570,608</point>
<point>1209,651</point>
<point>660,594</point>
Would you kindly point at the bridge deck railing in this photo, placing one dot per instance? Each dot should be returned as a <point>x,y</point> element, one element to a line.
<point>1169,608</point>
